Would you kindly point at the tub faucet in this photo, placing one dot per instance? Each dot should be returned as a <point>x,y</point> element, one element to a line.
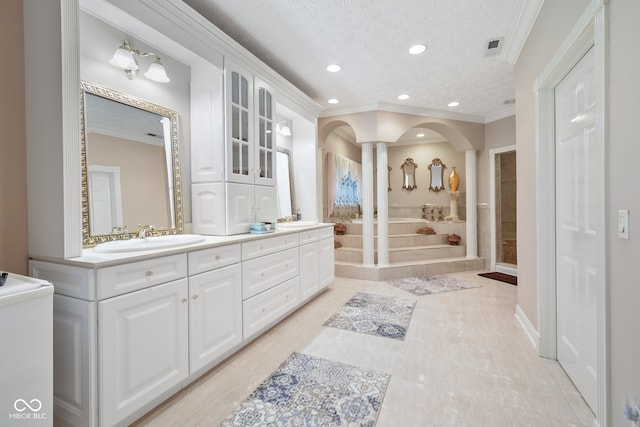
<point>142,231</point>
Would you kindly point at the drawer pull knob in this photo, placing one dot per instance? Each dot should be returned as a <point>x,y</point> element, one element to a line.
<point>195,297</point>
<point>217,258</point>
<point>263,310</point>
<point>148,274</point>
<point>184,300</point>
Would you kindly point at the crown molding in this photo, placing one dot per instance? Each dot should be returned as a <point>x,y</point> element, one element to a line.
<point>504,115</point>
<point>403,109</point>
<point>527,18</point>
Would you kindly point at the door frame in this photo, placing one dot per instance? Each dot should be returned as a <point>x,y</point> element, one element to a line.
<point>589,31</point>
<point>493,229</point>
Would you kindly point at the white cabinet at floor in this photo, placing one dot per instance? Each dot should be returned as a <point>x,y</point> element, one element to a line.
<point>215,315</point>
<point>142,348</point>
<point>309,276</point>
<point>326,262</point>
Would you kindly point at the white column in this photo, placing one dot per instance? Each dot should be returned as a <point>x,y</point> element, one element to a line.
<point>367,204</point>
<point>472,208</point>
<point>383,205</point>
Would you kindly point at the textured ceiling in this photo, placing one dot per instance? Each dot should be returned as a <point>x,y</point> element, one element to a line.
<point>370,40</point>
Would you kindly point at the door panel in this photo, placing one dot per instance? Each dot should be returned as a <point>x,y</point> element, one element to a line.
<point>577,226</point>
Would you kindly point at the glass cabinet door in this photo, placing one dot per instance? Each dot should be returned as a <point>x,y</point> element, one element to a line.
<point>240,138</point>
<point>265,138</point>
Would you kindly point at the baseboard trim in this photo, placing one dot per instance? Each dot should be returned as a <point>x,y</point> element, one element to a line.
<point>507,269</point>
<point>528,327</point>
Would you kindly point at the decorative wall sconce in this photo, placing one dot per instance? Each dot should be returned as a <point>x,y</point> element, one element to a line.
<point>282,127</point>
<point>125,58</point>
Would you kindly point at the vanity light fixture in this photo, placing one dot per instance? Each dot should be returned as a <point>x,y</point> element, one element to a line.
<point>453,104</point>
<point>404,96</point>
<point>125,58</point>
<point>417,49</point>
<point>333,68</point>
<point>282,127</point>
<point>333,101</point>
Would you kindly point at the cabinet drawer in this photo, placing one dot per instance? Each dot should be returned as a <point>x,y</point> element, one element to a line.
<point>120,279</point>
<point>210,259</point>
<point>261,247</point>
<point>309,236</point>
<point>325,233</point>
<point>265,309</point>
<point>263,273</point>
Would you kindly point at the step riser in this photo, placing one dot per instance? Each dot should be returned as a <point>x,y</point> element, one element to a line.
<point>399,272</point>
<point>441,227</point>
<point>352,255</point>
<point>355,241</point>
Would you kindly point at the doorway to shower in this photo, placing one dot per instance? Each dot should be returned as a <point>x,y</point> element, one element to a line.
<point>504,208</point>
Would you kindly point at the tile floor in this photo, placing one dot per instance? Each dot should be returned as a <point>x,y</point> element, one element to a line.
<point>465,362</point>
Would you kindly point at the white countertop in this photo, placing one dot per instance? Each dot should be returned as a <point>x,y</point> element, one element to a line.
<point>91,259</point>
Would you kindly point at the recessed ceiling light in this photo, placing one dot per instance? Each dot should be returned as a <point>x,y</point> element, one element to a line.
<point>417,49</point>
<point>420,135</point>
<point>333,101</point>
<point>453,104</point>
<point>333,68</point>
<point>404,96</point>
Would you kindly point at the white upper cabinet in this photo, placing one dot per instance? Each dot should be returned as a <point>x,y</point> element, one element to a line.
<point>265,128</point>
<point>249,128</point>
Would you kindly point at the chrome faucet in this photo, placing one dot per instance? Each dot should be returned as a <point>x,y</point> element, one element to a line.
<point>141,232</point>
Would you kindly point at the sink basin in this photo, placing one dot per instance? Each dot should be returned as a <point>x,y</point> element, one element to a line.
<point>149,243</point>
<point>295,224</point>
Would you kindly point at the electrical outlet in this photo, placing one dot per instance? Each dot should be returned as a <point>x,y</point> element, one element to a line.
<point>632,410</point>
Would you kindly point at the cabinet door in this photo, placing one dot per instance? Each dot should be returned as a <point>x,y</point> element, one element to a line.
<point>309,275</point>
<point>215,314</point>
<point>239,124</point>
<point>240,208</point>
<point>325,259</point>
<point>266,204</point>
<point>265,137</point>
<point>142,348</point>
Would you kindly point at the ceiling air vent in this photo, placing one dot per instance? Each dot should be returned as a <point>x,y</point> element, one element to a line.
<point>494,46</point>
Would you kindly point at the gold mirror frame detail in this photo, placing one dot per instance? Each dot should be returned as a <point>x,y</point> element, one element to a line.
<point>436,170</point>
<point>89,240</point>
<point>409,174</point>
<point>389,178</point>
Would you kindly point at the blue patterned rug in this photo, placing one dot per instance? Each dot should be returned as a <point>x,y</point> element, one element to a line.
<point>434,284</point>
<point>310,391</point>
<point>374,315</point>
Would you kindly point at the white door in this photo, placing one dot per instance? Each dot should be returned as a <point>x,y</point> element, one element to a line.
<point>215,314</point>
<point>105,198</point>
<point>577,172</point>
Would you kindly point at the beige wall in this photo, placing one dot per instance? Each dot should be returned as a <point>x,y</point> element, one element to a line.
<point>13,178</point>
<point>623,153</point>
<point>143,178</point>
<point>555,21</point>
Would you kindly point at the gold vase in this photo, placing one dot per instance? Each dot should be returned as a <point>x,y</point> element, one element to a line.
<point>454,180</point>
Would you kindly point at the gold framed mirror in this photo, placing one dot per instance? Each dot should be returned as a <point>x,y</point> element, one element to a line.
<point>436,170</point>
<point>409,174</point>
<point>130,160</point>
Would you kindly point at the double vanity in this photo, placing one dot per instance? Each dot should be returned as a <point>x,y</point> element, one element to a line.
<point>133,328</point>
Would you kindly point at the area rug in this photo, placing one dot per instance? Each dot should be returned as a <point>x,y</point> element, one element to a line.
<point>502,277</point>
<point>310,391</point>
<point>372,314</point>
<point>433,284</point>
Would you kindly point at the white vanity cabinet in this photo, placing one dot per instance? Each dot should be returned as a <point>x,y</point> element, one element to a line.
<point>130,333</point>
<point>142,348</point>
<point>316,261</point>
